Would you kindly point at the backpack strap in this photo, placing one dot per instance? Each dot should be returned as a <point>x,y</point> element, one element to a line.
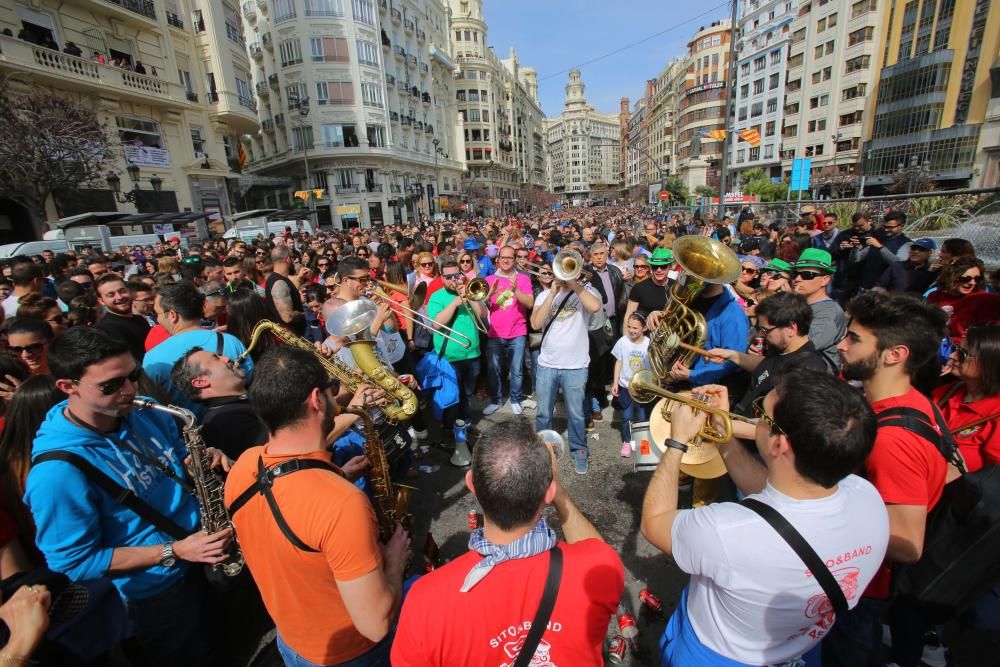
<point>263,484</point>
<point>949,392</point>
<point>118,493</point>
<point>915,421</point>
<point>220,343</point>
<point>545,607</point>
<point>802,549</point>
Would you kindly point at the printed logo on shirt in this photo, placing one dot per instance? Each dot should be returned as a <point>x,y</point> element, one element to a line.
<point>504,299</point>
<point>819,609</point>
<point>569,309</point>
<point>635,362</point>
<point>512,639</point>
<point>971,431</point>
<point>138,475</point>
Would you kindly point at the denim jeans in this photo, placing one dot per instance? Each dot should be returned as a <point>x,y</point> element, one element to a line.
<point>169,627</point>
<point>378,656</point>
<point>548,382</point>
<point>498,350</point>
<point>532,364</point>
<point>467,371</point>
<point>631,412</point>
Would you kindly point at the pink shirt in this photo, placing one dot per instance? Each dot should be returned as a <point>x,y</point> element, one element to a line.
<point>508,318</point>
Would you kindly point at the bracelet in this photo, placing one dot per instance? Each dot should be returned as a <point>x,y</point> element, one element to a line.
<point>17,660</point>
<point>675,444</point>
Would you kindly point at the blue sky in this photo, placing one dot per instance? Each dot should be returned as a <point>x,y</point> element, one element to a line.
<point>556,35</point>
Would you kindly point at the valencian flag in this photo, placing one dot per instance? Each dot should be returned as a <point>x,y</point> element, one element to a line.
<point>750,136</point>
<point>718,135</point>
<point>241,155</point>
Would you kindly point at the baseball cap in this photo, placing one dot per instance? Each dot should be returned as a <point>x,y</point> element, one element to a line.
<point>926,243</point>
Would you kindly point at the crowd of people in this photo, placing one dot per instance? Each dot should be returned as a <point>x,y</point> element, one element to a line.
<point>864,365</point>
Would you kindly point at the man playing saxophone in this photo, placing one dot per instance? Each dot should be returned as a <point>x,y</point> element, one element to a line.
<point>311,543</point>
<point>86,532</point>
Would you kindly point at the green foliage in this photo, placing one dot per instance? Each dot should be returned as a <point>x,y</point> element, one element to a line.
<point>675,186</point>
<point>706,191</point>
<point>756,182</point>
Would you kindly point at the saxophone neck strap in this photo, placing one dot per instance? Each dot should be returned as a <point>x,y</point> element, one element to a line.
<point>266,475</point>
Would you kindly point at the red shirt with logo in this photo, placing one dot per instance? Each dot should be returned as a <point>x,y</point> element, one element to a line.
<point>905,468</point>
<point>979,444</point>
<point>441,626</point>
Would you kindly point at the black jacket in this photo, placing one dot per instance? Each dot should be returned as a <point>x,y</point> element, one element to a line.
<point>617,286</point>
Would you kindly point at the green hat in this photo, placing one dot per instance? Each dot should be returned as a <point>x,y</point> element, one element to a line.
<point>777,265</point>
<point>814,258</point>
<point>661,257</point>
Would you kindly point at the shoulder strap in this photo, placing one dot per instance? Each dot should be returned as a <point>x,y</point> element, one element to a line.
<point>554,316</point>
<point>219,343</point>
<point>545,608</point>
<point>949,392</point>
<point>263,484</point>
<point>915,421</point>
<point>802,550</point>
<point>117,492</point>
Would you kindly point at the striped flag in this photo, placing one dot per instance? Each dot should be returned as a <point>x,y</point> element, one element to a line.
<point>718,135</point>
<point>750,136</point>
<point>241,155</point>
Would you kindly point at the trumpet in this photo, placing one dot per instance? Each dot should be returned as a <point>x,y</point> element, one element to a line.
<point>643,389</point>
<point>376,293</point>
<point>476,289</point>
<point>567,265</point>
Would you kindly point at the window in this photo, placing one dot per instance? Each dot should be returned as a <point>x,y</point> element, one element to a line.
<point>772,105</point>
<point>792,86</point>
<point>790,131</point>
<point>291,52</point>
<point>197,141</point>
<point>473,96</point>
<point>857,64</point>
<point>294,93</point>
<point>367,53</point>
<point>741,155</point>
<point>329,50</point>
<point>376,136</point>
<point>745,90</point>
<point>758,86</point>
<point>340,136</point>
<point>754,153</point>
<point>816,76</point>
<point>861,35</point>
<point>831,20</point>
<point>769,128</point>
<point>818,51</point>
<point>458,35</point>
<point>792,108</point>
<point>460,95</point>
<point>768,151</point>
<point>474,115</point>
<point>284,10</point>
<point>744,69</point>
<point>795,61</point>
<point>773,81</point>
<point>759,63</point>
<point>819,101</point>
<point>821,25</point>
<point>324,7</point>
<point>322,93</point>
<point>863,7</point>
<point>743,113</point>
<point>775,56</point>
<point>364,11</point>
<point>757,109</point>
<point>854,92</point>
<point>829,47</point>
<point>302,137</point>
<point>817,125</point>
<point>850,119</point>
<point>341,92</point>
<point>371,95</point>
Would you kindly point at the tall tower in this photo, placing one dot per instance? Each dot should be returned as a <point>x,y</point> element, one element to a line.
<point>575,91</point>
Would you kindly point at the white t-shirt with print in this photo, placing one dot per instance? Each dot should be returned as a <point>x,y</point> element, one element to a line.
<point>751,598</point>
<point>566,345</point>
<point>634,357</point>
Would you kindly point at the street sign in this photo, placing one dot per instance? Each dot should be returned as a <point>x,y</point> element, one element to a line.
<point>664,195</point>
<point>801,174</point>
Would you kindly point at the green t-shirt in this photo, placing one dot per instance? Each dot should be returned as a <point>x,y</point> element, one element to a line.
<point>462,322</point>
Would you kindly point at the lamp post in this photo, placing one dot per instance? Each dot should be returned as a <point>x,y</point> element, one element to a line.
<point>115,185</point>
<point>303,114</point>
<point>437,175</point>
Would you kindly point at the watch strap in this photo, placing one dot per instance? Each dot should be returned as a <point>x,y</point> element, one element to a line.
<point>676,444</point>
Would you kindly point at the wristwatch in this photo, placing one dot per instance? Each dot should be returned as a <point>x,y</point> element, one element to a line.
<point>674,444</point>
<point>168,559</point>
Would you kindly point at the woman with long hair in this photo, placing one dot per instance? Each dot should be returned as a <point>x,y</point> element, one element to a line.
<point>246,309</point>
<point>964,276</point>
<point>468,265</point>
<point>169,265</point>
<point>395,274</point>
<point>971,405</point>
<point>40,307</point>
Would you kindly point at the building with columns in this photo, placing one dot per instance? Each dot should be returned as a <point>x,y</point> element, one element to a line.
<point>584,147</point>
<point>502,122</point>
<point>357,104</point>
<point>171,79</point>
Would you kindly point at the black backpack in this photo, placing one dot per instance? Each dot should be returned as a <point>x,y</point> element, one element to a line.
<point>961,555</point>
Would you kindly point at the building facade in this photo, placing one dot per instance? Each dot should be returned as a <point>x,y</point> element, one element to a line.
<point>833,65</point>
<point>171,79</point>
<point>584,147</point>
<point>932,98</point>
<point>701,104</point>
<point>663,99</point>
<point>357,109</point>
<point>503,123</point>
<point>761,57</point>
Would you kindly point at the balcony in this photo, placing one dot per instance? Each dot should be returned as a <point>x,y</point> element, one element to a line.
<point>386,43</point>
<point>390,80</point>
<point>421,35</point>
<point>279,119</point>
<point>248,103</point>
<point>397,15</point>
<point>174,20</point>
<point>429,129</point>
<point>346,189</point>
<point>424,68</point>
<point>262,6</point>
<point>266,41</point>
<point>374,187</point>
<point>250,11</point>
<point>272,81</point>
<point>262,89</point>
<point>191,95</point>
<point>235,35</point>
<point>415,92</point>
<point>393,116</point>
<point>419,126</point>
<point>411,61</point>
<point>395,188</point>
<point>408,25</point>
<point>141,7</point>
<point>256,51</point>
<point>406,121</point>
<point>399,51</point>
<point>236,111</point>
<point>66,72</point>
<point>425,98</point>
<point>267,125</point>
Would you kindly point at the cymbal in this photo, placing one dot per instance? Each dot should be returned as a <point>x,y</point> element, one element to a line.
<point>660,430</point>
<point>711,469</point>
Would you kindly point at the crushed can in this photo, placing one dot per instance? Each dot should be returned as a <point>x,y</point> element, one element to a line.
<point>617,648</point>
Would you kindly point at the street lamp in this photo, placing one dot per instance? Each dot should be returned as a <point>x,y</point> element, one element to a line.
<point>303,113</point>
<point>115,184</point>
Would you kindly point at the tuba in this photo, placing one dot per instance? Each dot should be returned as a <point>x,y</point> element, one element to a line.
<point>389,500</point>
<point>352,320</point>
<point>704,260</point>
<point>208,486</point>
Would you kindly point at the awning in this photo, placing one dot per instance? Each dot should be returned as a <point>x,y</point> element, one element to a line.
<point>117,218</point>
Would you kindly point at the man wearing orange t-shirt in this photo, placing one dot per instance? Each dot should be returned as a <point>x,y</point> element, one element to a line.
<point>331,589</point>
<point>889,338</point>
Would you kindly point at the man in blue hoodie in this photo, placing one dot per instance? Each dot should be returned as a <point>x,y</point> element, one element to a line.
<point>86,533</point>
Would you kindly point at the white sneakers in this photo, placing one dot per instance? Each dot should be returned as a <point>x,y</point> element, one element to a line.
<point>516,408</point>
<point>490,409</point>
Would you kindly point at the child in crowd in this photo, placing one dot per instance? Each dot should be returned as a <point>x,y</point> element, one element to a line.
<point>631,354</point>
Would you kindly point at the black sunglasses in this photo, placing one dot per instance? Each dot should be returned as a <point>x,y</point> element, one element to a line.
<point>970,279</point>
<point>806,275</point>
<point>450,276</point>
<point>748,269</point>
<point>114,385</point>
<point>759,413</point>
<point>33,348</point>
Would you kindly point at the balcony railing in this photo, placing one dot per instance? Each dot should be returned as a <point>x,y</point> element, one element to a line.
<point>345,189</point>
<point>267,124</point>
<point>399,51</point>
<point>266,41</point>
<point>249,103</point>
<point>175,20</point>
<point>234,34</point>
<point>429,129</point>
<point>390,80</point>
<point>421,35</point>
<point>143,7</point>
<point>262,89</point>
<point>408,25</point>
<point>256,51</point>
<point>411,61</point>
<point>394,116</point>
<point>385,39</point>
<point>395,188</point>
<point>212,96</point>
<point>425,98</point>
<point>374,187</point>
<point>397,15</point>
<point>272,81</point>
<point>424,68</point>
<point>279,119</point>
<point>249,10</point>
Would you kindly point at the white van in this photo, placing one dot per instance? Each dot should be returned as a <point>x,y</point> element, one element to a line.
<point>249,224</point>
<point>32,248</point>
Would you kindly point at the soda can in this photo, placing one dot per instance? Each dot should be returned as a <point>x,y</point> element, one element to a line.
<point>651,602</point>
<point>757,345</point>
<point>473,520</point>
<point>627,626</point>
<point>616,650</point>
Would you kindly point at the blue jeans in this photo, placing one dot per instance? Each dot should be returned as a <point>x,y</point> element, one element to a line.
<point>573,382</point>
<point>631,412</point>
<point>533,367</point>
<point>378,656</point>
<point>497,351</point>
<point>467,371</point>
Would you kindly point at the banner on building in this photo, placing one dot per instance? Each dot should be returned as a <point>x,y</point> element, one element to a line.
<point>349,211</point>
<point>145,156</point>
<point>750,136</point>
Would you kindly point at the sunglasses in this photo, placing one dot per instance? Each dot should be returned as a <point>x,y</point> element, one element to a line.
<point>965,280</point>
<point>506,256</point>
<point>661,268</point>
<point>114,385</point>
<point>58,319</point>
<point>642,267</point>
<point>748,269</point>
<point>32,349</point>
<point>465,261</point>
<point>426,263</point>
<point>450,276</point>
<point>764,331</point>
<point>806,275</point>
<point>759,413</point>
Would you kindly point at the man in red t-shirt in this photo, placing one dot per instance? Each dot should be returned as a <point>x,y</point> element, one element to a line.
<point>477,610</point>
<point>889,338</point>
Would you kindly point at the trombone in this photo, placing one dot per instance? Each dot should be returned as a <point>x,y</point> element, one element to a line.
<point>375,292</point>
<point>476,289</point>
<point>643,389</point>
<point>567,265</point>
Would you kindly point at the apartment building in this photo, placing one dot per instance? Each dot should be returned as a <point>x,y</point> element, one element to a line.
<point>932,99</point>
<point>761,53</point>
<point>498,104</point>
<point>584,147</point>
<point>833,66</point>
<point>357,106</point>
<point>663,98</point>
<point>171,78</point>
<point>701,104</point>
<point>638,148</point>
